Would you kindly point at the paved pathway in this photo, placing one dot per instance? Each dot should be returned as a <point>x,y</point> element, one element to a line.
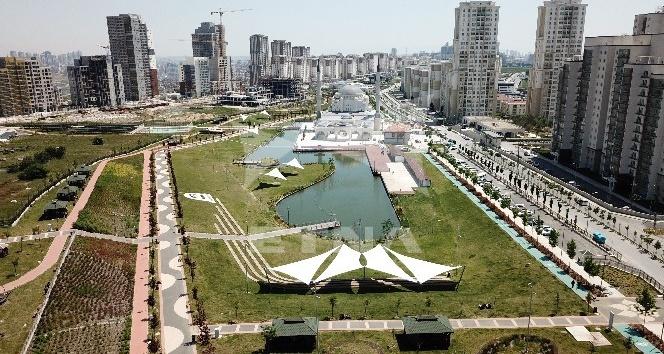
<point>469,323</point>
<point>268,234</point>
<point>175,317</point>
<point>140,314</point>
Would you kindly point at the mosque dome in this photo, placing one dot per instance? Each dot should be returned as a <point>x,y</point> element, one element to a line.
<point>351,90</point>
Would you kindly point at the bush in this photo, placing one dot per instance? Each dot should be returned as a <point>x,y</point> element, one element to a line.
<point>97,140</point>
<point>33,171</point>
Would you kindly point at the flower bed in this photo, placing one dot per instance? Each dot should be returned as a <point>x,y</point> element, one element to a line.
<point>509,343</point>
<point>91,300</point>
<point>651,337</point>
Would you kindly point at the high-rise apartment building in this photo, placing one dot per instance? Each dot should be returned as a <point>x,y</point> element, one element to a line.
<point>280,61</point>
<point>95,82</point>
<point>559,36</point>
<point>154,77</point>
<point>128,41</point>
<point>26,87</point>
<point>281,47</point>
<point>209,41</point>
<point>476,62</point>
<point>300,51</point>
<point>259,65</point>
<point>610,116</point>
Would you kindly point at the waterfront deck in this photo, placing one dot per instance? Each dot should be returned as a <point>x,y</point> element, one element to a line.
<point>378,159</point>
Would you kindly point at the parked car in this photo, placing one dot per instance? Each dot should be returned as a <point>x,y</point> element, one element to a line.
<point>599,237</point>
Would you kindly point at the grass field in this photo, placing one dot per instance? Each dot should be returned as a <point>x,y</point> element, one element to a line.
<point>497,269</point>
<point>216,110</point>
<point>78,150</point>
<point>210,169</point>
<point>33,252</point>
<point>114,206</point>
<point>463,342</point>
<point>32,218</point>
<point>627,284</point>
<point>16,313</point>
<point>91,301</point>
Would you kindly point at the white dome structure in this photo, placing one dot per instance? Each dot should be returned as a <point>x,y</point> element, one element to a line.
<point>350,99</point>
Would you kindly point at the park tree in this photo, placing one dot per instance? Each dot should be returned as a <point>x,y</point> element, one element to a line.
<point>97,140</point>
<point>269,333</point>
<point>646,303</point>
<point>658,245</point>
<point>366,304</point>
<point>427,304</point>
<point>333,303</point>
<point>553,238</point>
<point>571,249</point>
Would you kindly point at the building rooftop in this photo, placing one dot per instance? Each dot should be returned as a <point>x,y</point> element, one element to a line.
<point>295,326</point>
<point>426,324</point>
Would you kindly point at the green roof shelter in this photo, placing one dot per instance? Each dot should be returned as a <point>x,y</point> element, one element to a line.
<point>55,210</point>
<point>294,334</point>
<point>426,332</point>
<point>68,193</point>
<point>76,180</point>
<point>84,170</point>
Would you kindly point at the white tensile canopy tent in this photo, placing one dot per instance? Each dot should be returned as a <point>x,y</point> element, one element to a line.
<point>294,163</point>
<point>305,269</point>
<point>347,260</point>
<point>422,270</point>
<point>276,174</point>
<point>378,259</point>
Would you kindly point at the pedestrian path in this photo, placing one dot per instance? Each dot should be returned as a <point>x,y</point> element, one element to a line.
<point>139,312</point>
<point>388,325</point>
<point>269,234</point>
<point>175,315</point>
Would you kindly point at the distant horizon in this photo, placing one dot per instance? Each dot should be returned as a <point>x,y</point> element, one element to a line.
<point>420,25</point>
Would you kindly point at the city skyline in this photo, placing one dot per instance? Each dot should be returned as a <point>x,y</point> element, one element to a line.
<point>172,23</point>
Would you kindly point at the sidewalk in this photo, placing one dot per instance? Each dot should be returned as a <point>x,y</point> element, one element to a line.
<point>140,313</point>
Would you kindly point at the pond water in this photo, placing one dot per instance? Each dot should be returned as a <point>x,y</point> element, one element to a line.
<point>352,194</point>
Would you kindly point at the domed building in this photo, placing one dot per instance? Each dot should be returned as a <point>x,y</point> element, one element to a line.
<point>350,118</point>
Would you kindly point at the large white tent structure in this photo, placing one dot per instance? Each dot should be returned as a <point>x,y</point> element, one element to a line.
<point>377,258</point>
<point>347,260</point>
<point>305,269</point>
<point>422,270</point>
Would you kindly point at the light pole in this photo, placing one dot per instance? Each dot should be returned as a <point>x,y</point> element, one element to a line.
<point>246,272</point>
<point>530,310</point>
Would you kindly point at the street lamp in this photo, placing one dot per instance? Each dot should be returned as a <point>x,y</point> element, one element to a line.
<point>530,310</point>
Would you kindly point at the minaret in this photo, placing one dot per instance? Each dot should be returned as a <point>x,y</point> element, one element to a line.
<point>377,120</point>
<point>318,89</point>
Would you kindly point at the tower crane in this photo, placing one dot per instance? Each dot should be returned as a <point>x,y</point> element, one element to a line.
<point>107,47</point>
<point>222,12</point>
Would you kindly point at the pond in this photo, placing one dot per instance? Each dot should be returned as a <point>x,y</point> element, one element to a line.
<point>352,194</point>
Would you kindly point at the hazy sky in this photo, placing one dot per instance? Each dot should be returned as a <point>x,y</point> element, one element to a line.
<point>347,26</point>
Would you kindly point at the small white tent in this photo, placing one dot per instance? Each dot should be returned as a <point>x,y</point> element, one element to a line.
<point>422,270</point>
<point>276,174</point>
<point>294,163</point>
<point>377,259</point>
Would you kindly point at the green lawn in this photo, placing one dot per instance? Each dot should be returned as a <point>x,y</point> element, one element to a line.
<point>216,110</point>
<point>78,150</point>
<point>497,270</point>
<point>114,206</point>
<point>463,342</point>
<point>16,313</point>
<point>28,256</point>
<point>32,218</point>
<point>210,169</point>
<point>627,284</point>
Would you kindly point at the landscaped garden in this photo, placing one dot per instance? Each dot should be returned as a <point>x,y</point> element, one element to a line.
<point>463,342</point>
<point>210,169</point>
<point>90,304</point>
<point>22,257</point>
<point>628,284</point>
<point>445,227</point>
<point>114,206</point>
<point>30,164</point>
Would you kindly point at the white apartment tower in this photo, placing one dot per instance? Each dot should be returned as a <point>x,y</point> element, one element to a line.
<point>559,37</point>
<point>259,65</point>
<point>476,63</point>
<point>209,41</point>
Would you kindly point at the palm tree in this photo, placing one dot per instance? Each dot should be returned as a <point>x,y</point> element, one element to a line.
<point>333,302</point>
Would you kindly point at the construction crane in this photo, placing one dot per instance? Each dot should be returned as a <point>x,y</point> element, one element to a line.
<point>222,12</point>
<point>108,48</point>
